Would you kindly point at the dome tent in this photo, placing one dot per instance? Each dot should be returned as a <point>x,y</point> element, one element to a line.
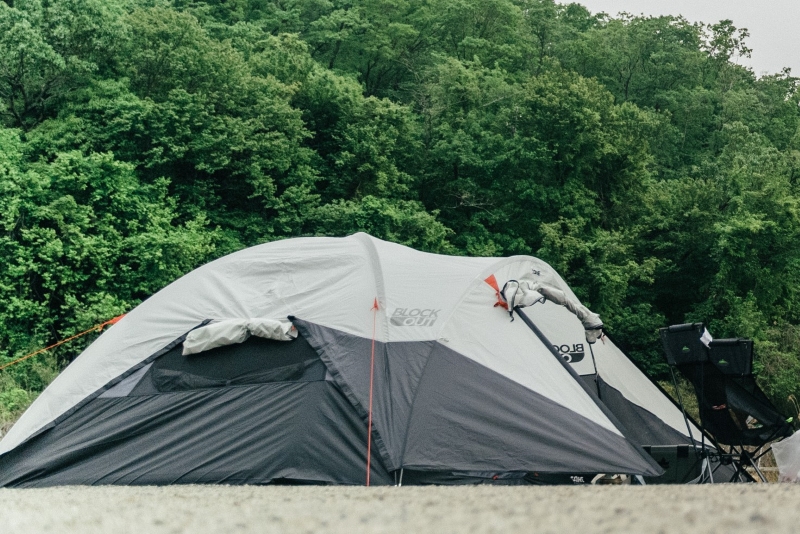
<point>454,385</point>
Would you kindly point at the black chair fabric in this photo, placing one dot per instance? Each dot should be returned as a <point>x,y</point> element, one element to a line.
<point>727,393</point>
<point>732,356</point>
<point>682,343</point>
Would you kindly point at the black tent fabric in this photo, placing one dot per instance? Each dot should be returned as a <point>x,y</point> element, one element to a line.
<point>302,431</point>
<point>503,428</point>
<point>227,417</point>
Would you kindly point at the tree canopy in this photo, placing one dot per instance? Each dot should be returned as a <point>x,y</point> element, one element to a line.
<point>140,139</point>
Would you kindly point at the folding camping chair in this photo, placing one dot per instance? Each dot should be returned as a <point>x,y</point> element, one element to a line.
<point>735,415</point>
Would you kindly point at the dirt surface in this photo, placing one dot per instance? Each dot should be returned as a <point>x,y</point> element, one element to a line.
<point>721,508</point>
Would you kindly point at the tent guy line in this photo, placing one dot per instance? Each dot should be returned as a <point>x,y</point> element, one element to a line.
<point>95,328</point>
<point>375,309</point>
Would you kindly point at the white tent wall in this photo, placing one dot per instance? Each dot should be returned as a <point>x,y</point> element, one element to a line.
<point>418,289</point>
<point>328,281</point>
<point>487,335</point>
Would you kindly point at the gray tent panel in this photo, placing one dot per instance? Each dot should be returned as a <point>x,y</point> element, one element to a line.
<point>507,426</point>
<point>641,425</point>
<point>301,431</point>
<point>502,425</point>
<point>398,368</point>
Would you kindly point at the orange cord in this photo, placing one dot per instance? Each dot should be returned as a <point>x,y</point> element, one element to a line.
<point>54,345</point>
<point>375,308</point>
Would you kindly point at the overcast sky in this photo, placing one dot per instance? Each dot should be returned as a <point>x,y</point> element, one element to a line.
<point>774,25</point>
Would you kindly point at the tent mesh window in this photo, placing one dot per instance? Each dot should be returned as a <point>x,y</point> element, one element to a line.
<point>255,361</point>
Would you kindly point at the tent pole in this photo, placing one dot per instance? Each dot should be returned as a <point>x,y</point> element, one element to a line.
<point>705,464</point>
<point>683,409</point>
<point>596,374</point>
<point>700,400</point>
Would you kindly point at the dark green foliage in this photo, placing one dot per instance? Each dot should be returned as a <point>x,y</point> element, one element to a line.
<point>48,49</point>
<point>83,240</point>
<point>140,139</point>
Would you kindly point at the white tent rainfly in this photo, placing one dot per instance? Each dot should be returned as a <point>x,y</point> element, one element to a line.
<point>347,361</point>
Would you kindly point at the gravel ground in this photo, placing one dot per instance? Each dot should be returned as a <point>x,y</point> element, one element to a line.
<point>722,508</point>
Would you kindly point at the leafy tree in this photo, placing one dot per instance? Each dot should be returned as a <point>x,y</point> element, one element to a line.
<point>48,49</point>
<point>633,153</point>
<point>83,240</point>
<point>404,222</point>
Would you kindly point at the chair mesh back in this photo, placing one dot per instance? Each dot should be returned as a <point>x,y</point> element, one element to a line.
<point>732,356</point>
<point>682,344</point>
